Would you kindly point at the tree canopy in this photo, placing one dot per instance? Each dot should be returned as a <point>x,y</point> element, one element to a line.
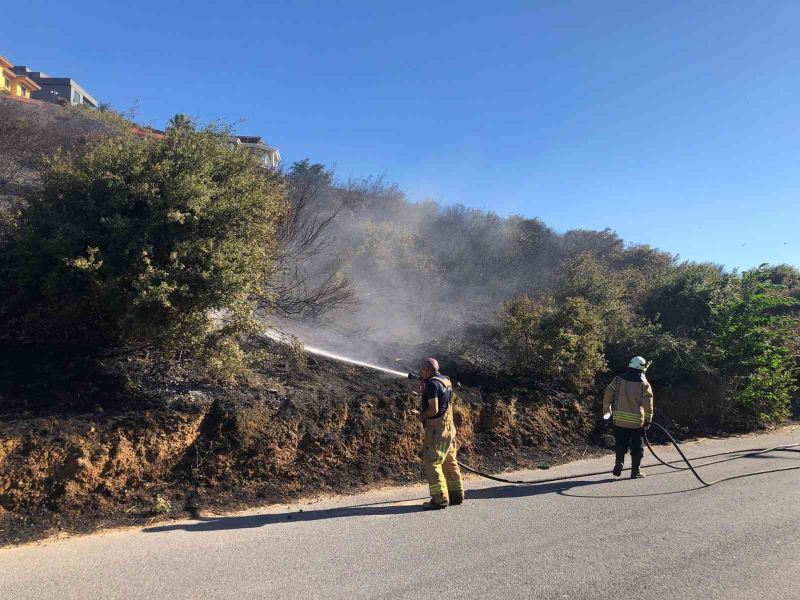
<point>144,242</point>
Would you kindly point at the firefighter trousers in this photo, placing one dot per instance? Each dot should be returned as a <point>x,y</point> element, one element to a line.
<point>629,439</point>
<point>439,460</point>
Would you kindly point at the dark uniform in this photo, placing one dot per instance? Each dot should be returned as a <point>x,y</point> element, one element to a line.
<point>439,448</point>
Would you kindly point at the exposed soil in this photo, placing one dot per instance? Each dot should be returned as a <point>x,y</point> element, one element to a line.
<point>84,455</point>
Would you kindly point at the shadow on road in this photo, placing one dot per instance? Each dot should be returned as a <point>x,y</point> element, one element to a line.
<point>524,491</point>
<point>365,510</point>
<point>250,521</point>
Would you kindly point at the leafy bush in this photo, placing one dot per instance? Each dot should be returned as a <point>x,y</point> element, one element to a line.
<point>521,319</point>
<point>751,344</point>
<point>684,299</point>
<point>161,505</point>
<point>586,277</point>
<point>164,244</point>
<point>557,342</point>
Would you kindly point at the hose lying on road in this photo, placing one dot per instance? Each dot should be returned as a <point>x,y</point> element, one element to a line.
<point>749,452</point>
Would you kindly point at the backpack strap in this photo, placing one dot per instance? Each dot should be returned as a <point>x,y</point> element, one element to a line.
<point>615,401</point>
<point>448,386</point>
<point>445,381</point>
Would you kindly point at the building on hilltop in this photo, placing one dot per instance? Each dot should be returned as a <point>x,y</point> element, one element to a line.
<point>60,90</point>
<point>15,84</point>
<point>269,157</point>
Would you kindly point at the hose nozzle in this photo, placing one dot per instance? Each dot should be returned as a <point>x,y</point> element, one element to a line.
<point>412,376</point>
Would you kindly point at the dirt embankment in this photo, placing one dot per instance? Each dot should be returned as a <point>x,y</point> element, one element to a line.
<point>295,430</point>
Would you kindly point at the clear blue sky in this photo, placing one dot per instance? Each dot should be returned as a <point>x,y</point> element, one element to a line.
<point>675,123</point>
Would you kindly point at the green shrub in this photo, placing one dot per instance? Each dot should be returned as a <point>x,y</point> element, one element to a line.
<point>683,301</point>
<point>557,342</point>
<point>164,244</point>
<point>586,277</point>
<point>752,343</point>
<point>161,505</point>
<point>520,328</point>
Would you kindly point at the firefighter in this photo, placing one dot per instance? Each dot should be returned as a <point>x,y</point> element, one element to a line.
<point>439,448</point>
<point>629,398</point>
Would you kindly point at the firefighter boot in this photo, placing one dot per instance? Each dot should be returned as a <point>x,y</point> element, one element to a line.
<point>456,497</point>
<point>432,505</point>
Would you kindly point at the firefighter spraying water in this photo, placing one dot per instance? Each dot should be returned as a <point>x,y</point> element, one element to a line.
<point>439,448</point>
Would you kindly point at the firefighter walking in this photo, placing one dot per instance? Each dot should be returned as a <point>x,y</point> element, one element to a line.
<point>439,448</point>
<point>629,399</point>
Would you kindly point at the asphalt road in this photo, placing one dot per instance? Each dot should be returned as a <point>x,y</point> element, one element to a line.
<point>662,537</point>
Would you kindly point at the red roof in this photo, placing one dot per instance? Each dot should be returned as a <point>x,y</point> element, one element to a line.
<point>148,133</point>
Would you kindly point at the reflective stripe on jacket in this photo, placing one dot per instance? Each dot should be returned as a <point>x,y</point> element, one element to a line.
<point>631,402</point>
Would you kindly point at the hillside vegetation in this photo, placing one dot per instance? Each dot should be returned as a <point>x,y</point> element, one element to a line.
<point>512,296</point>
<point>137,274</point>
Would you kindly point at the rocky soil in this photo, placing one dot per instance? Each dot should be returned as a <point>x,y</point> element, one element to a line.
<point>83,452</point>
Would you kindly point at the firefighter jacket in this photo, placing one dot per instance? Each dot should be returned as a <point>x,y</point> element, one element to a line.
<point>630,399</point>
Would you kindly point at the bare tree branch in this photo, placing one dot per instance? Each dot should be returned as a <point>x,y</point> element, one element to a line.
<point>307,283</point>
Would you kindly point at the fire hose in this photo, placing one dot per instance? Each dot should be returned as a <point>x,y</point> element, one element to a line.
<point>736,454</point>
